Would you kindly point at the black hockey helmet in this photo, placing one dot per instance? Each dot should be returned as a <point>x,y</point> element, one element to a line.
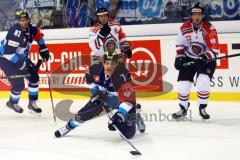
<point>21,13</point>
<point>102,11</point>
<point>197,8</point>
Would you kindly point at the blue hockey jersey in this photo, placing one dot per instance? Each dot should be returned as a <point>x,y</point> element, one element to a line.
<point>17,43</point>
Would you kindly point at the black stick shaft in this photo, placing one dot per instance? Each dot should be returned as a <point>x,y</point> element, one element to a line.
<point>16,76</point>
<point>228,56</point>
<point>50,91</point>
<point>214,59</point>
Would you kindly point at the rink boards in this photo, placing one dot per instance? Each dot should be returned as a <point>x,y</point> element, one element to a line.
<point>151,68</point>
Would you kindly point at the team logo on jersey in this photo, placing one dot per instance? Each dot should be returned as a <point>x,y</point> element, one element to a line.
<point>126,91</point>
<point>197,48</point>
<point>96,78</point>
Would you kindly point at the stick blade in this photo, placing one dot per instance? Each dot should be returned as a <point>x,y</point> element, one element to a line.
<point>136,153</point>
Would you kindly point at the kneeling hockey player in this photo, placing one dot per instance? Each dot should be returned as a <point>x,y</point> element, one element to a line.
<point>112,90</point>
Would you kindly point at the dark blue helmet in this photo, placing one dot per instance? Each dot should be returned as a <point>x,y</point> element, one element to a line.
<point>102,11</point>
<point>22,13</point>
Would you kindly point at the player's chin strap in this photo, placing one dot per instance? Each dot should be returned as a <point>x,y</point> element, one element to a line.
<point>136,151</point>
<point>213,59</point>
<point>23,75</point>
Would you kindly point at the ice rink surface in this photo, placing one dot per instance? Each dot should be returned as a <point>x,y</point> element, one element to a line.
<point>30,137</point>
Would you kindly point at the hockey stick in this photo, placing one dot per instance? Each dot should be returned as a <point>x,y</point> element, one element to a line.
<point>222,57</point>
<point>23,75</point>
<point>50,91</point>
<point>136,152</point>
<point>213,59</point>
<point>16,76</point>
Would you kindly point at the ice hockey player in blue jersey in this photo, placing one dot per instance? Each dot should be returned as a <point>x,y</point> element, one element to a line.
<point>111,89</point>
<point>14,60</point>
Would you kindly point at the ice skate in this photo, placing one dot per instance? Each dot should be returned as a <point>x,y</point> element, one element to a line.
<point>203,113</point>
<point>61,132</point>
<point>181,114</point>
<point>14,107</point>
<point>33,108</point>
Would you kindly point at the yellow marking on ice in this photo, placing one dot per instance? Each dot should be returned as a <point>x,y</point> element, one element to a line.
<point>214,96</point>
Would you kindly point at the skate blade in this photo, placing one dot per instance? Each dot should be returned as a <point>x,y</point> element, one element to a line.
<point>34,113</point>
<point>184,118</point>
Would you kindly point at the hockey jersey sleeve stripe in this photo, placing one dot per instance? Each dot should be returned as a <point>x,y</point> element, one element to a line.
<point>21,50</point>
<point>12,57</point>
<point>125,107</point>
<point>186,32</point>
<point>38,34</point>
<point>41,41</point>
<point>96,44</point>
<point>186,29</point>
<point>1,50</point>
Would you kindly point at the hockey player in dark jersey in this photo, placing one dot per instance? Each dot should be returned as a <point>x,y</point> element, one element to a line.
<point>112,89</point>
<point>14,60</point>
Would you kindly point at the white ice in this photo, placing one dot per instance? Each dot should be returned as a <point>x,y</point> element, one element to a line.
<point>28,137</point>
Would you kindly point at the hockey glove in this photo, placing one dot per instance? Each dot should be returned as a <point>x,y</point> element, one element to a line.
<point>105,30</point>
<point>179,61</point>
<point>200,62</point>
<point>44,53</point>
<point>126,50</point>
<point>116,119</point>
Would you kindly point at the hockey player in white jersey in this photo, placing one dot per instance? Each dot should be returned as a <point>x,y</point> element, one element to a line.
<point>196,45</point>
<point>107,29</point>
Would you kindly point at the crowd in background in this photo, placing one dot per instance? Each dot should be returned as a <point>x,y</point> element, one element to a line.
<point>82,13</point>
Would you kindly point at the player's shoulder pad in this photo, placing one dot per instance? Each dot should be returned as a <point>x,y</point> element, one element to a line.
<point>95,27</point>
<point>32,25</point>
<point>186,25</point>
<point>113,22</point>
<point>208,26</point>
<point>14,28</point>
<point>11,34</point>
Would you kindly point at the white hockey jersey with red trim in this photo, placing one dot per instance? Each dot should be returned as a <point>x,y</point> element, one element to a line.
<point>97,44</point>
<point>193,43</point>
